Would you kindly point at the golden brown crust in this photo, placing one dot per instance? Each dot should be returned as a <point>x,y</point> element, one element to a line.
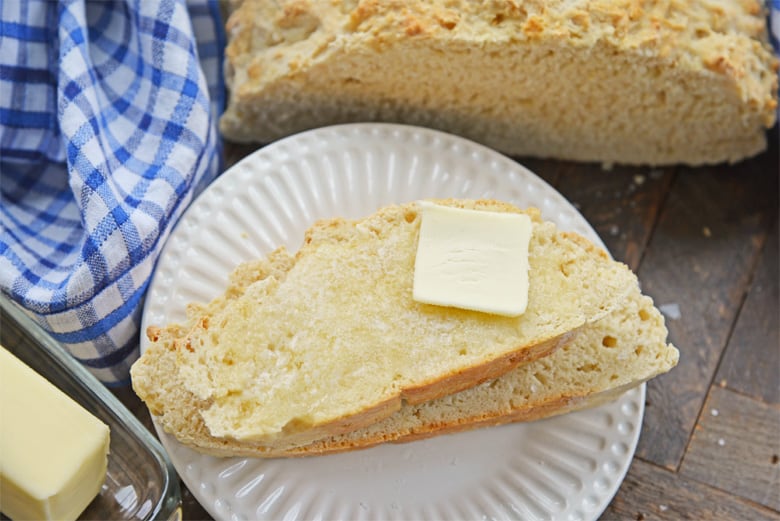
<point>478,374</point>
<point>554,407</point>
<point>333,445</point>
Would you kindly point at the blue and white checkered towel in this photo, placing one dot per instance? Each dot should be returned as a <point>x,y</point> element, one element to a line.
<point>107,130</point>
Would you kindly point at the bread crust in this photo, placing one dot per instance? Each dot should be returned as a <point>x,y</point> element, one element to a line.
<point>548,409</point>
<point>476,375</point>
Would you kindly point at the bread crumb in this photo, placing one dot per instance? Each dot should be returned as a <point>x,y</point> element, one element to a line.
<point>671,311</point>
<point>706,231</point>
<point>639,179</point>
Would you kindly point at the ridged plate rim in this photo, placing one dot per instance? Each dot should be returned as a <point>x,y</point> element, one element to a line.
<point>318,174</point>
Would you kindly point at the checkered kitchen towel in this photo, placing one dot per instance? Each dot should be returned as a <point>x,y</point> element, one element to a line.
<point>107,130</point>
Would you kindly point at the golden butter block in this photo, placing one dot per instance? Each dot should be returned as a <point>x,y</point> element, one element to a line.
<point>53,452</point>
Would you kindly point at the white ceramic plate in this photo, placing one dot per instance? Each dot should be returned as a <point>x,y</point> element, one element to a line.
<point>562,468</point>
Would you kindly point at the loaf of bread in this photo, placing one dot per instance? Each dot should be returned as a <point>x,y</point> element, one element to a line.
<point>612,81</point>
<point>330,340</point>
<point>605,359</point>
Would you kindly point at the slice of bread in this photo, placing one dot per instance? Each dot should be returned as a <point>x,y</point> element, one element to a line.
<point>614,81</point>
<point>604,360</point>
<point>330,340</point>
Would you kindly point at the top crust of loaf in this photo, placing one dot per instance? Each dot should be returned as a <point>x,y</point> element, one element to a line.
<point>330,340</point>
<point>298,64</point>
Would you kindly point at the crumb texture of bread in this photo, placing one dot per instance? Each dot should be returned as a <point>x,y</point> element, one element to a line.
<point>612,81</point>
<point>330,340</point>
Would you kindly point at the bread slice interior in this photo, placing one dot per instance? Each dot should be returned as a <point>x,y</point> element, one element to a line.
<point>329,340</point>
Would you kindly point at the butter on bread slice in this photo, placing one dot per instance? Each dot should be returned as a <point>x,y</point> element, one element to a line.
<point>330,340</point>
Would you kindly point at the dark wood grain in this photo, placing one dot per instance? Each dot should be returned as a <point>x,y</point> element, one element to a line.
<point>736,447</point>
<point>750,364</point>
<point>650,493</point>
<point>548,169</point>
<point>698,263</point>
<point>233,153</point>
<point>621,204</point>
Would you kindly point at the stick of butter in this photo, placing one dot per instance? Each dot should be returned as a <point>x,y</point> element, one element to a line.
<point>53,452</point>
<point>471,259</point>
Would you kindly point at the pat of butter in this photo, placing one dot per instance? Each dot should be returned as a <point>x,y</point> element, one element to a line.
<point>53,452</point>
<point>472,259</point>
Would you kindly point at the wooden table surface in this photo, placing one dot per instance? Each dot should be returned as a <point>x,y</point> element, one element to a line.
<point>704,243</point>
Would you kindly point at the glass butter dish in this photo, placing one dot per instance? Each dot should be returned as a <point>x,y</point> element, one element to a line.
<point>140,483</point>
